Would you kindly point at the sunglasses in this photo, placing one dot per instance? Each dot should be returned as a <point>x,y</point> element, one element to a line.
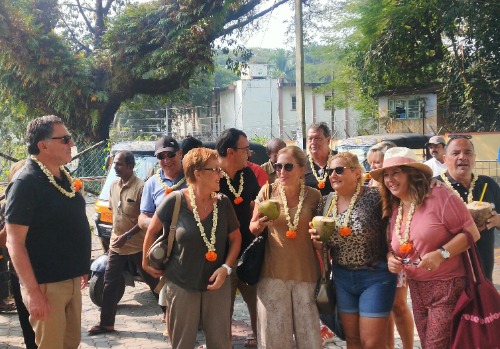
<point>408,262</point>
<point>278,167</point>
<point>339,170</point>
<point>168,155</point>
<point>216,169</point>
<point>65,139</point>
<point>453,137</point>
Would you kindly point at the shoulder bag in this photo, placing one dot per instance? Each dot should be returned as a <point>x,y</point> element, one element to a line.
<point>250,263</point>
<point>476,318</point>
<point>325,291</point>
<point>159,252</point>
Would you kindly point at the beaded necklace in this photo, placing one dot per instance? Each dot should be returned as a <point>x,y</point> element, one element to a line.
<point>168,189</point>
<point>210,255</point>
<point>292,228</point>
<point>469,192</point>
<point>75,185</point>
<point>405,246</point>
<point>321,179</point>
<point>237,195</point>
<point>344,230</point>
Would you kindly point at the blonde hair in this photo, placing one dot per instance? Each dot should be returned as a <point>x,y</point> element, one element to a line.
<point>418,189</point>
<point>296,153</point>
<point>352,162</point>
<point>14,168</point>
<point>196,159</point>
<point>380,148</point>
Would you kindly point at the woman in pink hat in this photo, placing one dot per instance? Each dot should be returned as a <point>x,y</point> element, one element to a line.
<point>426,239</point>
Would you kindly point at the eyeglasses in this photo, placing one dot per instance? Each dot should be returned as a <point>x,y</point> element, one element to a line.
<point>288,167</point>
<point>247,149</point>
<point>214,169</point>
<point>408,262</point>
<point>453,137</point>
<point>339,170</point>
<point>168,155</point>
<point>65,139</point>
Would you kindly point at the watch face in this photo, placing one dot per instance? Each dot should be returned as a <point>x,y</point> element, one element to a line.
<point>445,254</point>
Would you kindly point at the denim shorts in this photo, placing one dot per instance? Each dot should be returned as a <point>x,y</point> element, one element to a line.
<point>367,292</point>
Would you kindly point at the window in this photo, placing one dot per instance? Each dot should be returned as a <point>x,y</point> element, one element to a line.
<point>294,103</point>
<point>328,102</point>
<point>404,108</point>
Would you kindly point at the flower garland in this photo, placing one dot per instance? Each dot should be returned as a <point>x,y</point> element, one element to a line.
<point>405,246</point>
<point>75,184</point>
<point>344,230</point>
<point>321,180</point>
<point>292,228</point>
<point>469,193</point>
<point>168,189</point>
<point>210,256</point>
<point>237,195</point>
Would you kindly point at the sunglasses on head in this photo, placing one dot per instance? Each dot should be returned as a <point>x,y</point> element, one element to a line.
<point>278,167</point>
<point>339,170</point>
<point>453,137</point>
<point>168,155</point>
<point>65,139</point>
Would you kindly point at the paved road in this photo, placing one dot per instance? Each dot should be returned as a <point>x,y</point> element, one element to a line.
<point>139,322</point>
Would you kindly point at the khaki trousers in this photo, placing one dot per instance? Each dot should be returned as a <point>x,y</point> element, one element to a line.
<point>187,309</point>
<point>62,330</point>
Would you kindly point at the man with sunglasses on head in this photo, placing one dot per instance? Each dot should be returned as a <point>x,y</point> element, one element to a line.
<point>168,178</point>
<point>48,235</point>
<point>460,158</point>
<point>240,184</point>
<point>319,157</point>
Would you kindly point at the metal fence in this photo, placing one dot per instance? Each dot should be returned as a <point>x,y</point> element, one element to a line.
<point>489,168</point>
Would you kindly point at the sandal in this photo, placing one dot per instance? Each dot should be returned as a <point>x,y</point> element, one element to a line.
<point>250,342</point>
<point>98,329</point>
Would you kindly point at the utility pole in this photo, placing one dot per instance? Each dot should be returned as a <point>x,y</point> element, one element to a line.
<point>299,73</point>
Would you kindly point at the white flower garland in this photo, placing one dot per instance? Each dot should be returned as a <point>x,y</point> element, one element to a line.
<point>347,216</point>
<point>210,244</point>
<point>321,180</point>
<point>167,188</point>
<point>403,238</point>
<point>52,180</point>
<point>238,200</point>
<point>294,226</point>
<point>469,193</point>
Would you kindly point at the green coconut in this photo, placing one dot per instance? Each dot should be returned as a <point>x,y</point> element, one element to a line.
<point>325,227</point>
<point>270,208</point>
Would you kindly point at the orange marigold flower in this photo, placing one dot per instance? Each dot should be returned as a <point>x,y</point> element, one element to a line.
<point>290,234</point>
<point>368,176</point>
<point>321,185</point>
<point>78,184</point>
<point>238,200</point>
<point>345,231</point>
<point>168,190</point>
<point>211,256</point>
<point>406,247</point>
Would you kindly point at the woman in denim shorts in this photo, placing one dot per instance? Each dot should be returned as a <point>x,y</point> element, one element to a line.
<point>365,288</point>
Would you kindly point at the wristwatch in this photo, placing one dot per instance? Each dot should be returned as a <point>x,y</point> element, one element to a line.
<point>129,236</point>
<point>444,252</point>
<point>228,268</point>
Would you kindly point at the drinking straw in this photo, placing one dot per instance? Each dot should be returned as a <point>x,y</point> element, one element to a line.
<point>482,194</point>
<point>329,209</point>
<point>267,190</point>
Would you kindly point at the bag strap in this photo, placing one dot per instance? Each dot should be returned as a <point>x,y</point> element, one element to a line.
<point>173,224</point>
<point>473,268</point>
<point>171,235</point>
<point>326,264</point>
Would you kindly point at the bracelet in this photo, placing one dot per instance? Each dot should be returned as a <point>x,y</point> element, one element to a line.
<point>228,268</point>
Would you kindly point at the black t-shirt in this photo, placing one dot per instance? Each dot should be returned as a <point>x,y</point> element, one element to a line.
<point>244,209</point>
<point>486,243</point>
<point>58,238</point>
<point>312,182</point>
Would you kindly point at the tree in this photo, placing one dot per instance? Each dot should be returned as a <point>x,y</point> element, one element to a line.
<point>452,43</point>
<point>82,59</point>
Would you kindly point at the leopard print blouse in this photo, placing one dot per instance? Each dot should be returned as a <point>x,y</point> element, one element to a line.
<point>367,245</point>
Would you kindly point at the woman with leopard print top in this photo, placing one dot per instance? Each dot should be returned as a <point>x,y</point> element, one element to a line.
<point>364,286</point>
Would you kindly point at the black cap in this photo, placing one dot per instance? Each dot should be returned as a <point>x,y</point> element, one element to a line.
<point>166,143</point>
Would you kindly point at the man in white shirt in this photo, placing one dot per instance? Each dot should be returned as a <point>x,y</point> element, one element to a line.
<point>436,148</point>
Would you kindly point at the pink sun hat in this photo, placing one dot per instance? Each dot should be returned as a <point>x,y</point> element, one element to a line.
<point>400,156</point>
